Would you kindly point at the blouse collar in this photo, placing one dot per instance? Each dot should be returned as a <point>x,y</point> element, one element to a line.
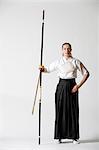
<point>69,59</point>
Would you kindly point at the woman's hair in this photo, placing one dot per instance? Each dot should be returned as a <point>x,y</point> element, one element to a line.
<point>66,43</point>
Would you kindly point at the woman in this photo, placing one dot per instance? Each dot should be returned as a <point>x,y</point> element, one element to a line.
<point>66,95</point>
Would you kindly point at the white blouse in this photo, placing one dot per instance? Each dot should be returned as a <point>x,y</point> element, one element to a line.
<point>67,68</point>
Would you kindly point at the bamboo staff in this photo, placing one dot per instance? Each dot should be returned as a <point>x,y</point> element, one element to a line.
<point>39,83</point>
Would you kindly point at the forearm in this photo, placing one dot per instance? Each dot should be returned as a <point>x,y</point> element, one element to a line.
<point>85,77</point>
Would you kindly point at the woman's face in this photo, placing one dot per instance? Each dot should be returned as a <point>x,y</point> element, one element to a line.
<point>66,51</point>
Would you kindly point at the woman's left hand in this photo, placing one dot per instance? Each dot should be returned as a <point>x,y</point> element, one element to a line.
<point>75,89</point>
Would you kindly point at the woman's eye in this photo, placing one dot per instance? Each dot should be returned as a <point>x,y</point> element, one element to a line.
<point>68,49</point>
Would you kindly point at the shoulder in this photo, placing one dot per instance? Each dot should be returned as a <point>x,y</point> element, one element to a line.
<point>55,62</point>
<point>76,60</point>
<point>58,61</point>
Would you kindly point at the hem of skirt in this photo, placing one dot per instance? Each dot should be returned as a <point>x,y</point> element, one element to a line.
<point>66,137</point>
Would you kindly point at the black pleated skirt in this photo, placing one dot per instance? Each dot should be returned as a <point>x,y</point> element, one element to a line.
<point>66,111</point>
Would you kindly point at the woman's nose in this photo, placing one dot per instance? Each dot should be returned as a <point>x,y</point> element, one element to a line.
<point>66,50</point>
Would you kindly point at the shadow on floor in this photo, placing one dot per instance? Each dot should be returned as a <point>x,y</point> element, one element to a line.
<point>90,141</point>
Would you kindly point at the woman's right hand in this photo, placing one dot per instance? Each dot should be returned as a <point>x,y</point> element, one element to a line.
<point>42,68</point>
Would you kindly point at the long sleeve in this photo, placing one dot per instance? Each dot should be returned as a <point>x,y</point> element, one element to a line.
<point>52,67</point>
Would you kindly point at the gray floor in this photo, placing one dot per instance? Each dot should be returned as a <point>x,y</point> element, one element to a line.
<point>30,145</point>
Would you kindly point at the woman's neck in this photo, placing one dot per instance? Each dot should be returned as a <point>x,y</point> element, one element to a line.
<point>67,57</point>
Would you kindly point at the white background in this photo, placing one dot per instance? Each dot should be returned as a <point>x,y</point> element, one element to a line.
<point>74,21</point>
